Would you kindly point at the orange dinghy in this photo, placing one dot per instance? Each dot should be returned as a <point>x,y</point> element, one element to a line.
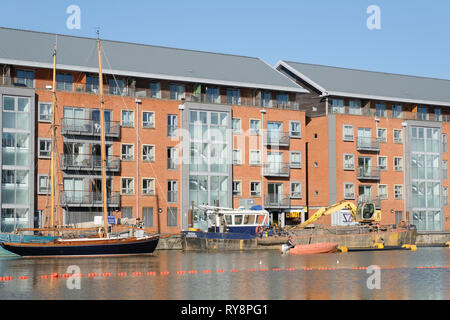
<point>325,247</point>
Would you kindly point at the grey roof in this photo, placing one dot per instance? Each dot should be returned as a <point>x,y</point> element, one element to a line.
<point>80,54</point>
<point>372,85</point>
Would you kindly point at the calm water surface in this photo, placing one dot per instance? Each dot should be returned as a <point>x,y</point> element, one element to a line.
<point>242,275</point>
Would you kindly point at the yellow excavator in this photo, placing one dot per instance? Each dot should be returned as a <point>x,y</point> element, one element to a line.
<point>365,213</point>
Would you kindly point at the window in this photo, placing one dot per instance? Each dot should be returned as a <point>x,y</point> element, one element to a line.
<point>237,157</point>
<point>116,87</point>
<point>127,212</point>
<point>445,195</point>
<point>255,159</point>
<point>396,111</point>
<point>265,99</point>
<point>444,169</point>
<point>147,216</point>
<point>437,115</point>
<point>236,188</point>
<point>148,119</point>
<point>172,158</point>
<point>382,163</point>
<point>64,82</point>
<point>16,112</point>
<point>398,217</point>
<point>398,136</point>
<point>45,112</point>
<point>45,148</point>
<point>382,191</point>
<point>148,153</point>
<point>236,124</point>
<point>296,159</point>
<point>92,83</point>
<point>233,96</point>
<point>349,191</point>
<point>212,95</point>
<point>398,192</point>
<point>422,113</point>
<point>444,143</point>
<point>127,185</point>
<point>176,91</point>
<point>155,90</point>
<point>26,78</point>
<point>127,118</point>
<point>172,125</point>
<point>398,164</point>
<point>380,110</point>
<point>349,161</point>
<point>172,191</point>
<point>337,106</point>
<point>148,186</point>
<point>255,189</point>
<point>296,190</point>
<point>282,100</point>
<point>348,133</point>
<point>172,214</point>
<point>354,107</point>
<point>295,129</point>
<point>15,149</point>
<point>255,126</point>
<point>127,152</point>
<point>43,184</point>
<point>381,135</point>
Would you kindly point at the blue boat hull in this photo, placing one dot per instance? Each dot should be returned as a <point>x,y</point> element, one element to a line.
<point>20,238</point>
<point>216,241</point>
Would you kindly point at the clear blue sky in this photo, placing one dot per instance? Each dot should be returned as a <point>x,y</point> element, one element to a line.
<point>414,36</point>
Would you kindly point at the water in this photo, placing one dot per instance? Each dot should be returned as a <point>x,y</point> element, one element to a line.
<point>257,275</point>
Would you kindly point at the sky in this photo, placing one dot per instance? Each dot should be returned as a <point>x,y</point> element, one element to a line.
<point>413,36</point>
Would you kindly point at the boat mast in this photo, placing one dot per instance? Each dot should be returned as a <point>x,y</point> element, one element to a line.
<point>102,135</point>
<point>53,156</point>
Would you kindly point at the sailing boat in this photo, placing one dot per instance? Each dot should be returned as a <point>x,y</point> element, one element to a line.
<point>135,243</point>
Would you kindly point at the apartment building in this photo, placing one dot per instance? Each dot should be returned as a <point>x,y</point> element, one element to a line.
<point>379,137</point>
<point>181,127</point>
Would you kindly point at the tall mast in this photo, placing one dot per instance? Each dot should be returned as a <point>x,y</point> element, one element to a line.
<point>53,147</point>
<point>102,135</point>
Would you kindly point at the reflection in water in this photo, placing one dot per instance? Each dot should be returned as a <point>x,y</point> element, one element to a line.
<point>403,281</point>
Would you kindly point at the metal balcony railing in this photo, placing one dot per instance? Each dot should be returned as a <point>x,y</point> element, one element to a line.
<point>368,173</point>
<point>79,198</point>
<point>368,144</point>
<point>88,127</point>
<point>89,162</point>
<point>277,201</point>
<point>368,198</point>
<point>276,170</point>
<point>276,138</point>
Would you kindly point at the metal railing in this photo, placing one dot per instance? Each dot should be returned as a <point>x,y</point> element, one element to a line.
<point>369,173</point>
<point>88,162</point>
<point>89,127</point>
<point>88,198</point>
<point>276,170</point>
<point>277,201</point>
<point>368,144</point>
<point>276,138</point>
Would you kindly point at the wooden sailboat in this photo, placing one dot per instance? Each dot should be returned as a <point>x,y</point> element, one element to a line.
<point>105,245</point>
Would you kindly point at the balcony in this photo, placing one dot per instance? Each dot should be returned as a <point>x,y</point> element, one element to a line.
<point>276,170</point>
<point>79,198</point>
<point>368,144</point>
<point>86,127</point>
<point>368,173</point>
<point>276,138</point>
<point>89,163</point>
<point>277,201</point>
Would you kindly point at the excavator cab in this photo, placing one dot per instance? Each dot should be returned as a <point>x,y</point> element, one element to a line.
<point>367,212</point>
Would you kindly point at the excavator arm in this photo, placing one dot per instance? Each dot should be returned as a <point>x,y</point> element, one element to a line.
<point>343,205</point>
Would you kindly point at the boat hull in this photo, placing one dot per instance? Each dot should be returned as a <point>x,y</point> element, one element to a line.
<point>78,248</point>
<point>327,247</point>
<point>215,241</point>
<point>20,238</point>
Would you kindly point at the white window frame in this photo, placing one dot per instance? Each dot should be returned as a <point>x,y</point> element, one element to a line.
<point>379,165</point>
<point>238,161</point>
<point>396,197</point>
<point>152,153</point>
<point>151,190</point>
<point>384,137</point>
<point>396,167</point>
<point>236,192</point>
<point>40,191</point>
<point>252,130</point>
<point>236,130</point>
<point>258,163</point>
<point>399,140</point>
<point>50,112</point>
<point>383,196</point>
<point>295,134</point>
<point>346,195</point>
<point>295,165</point>
<point>127,190</point>
<point>122,154</point>
<point>49,150</point>
<point>252,193</point>
<point>127,124</point>
<point>296,194</point>
<point>148,124</point>
<point>343,159</point>
<point>347,137</point>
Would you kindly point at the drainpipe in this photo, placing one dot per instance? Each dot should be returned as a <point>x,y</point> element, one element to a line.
<point>138,102</point>
<point>183,216</point>
<point>262,189</point>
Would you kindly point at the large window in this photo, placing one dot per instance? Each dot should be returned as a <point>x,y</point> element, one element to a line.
<point>116,87</point>
<point>295,159</point>
<point>16,113</point>
<point>127,186</point>
<point>255,158</point>
<point>148,153</point>
<point>148,186</point>
<point>172,158</point>
<point>172,191</point>
<point>172,125</point>
<point>45,148</point>
<point>16,149</point>
<point>127,118</point>
<point>295,129</point>
<point>266,99</point>
<point>296,190</point>
<point>155,90</point>
<point>233,96</point>
<point>212,95</point>
<point>64,82</point>
<point>45,112</point>
<point>396,111</point>
<point>255,126</point>
<point>148,119</point>
<point>127,151</point>
<point>348,133</point>
<point>337,106</point>
<point>349,161</point>
<point>255,189</point>
<point>176,91</point>
<point>380,110</point>
<point>92,83</point>
<point>25,78</point>
<point>349,191</point>
<point>382,191</point>
<point>354,107</point>
<point>282,100</point>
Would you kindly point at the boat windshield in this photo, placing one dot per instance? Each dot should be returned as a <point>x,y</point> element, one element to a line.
<point>249,219</point>
<point>228,219</point>
<point>260,219</point>
<point>238,219</point>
